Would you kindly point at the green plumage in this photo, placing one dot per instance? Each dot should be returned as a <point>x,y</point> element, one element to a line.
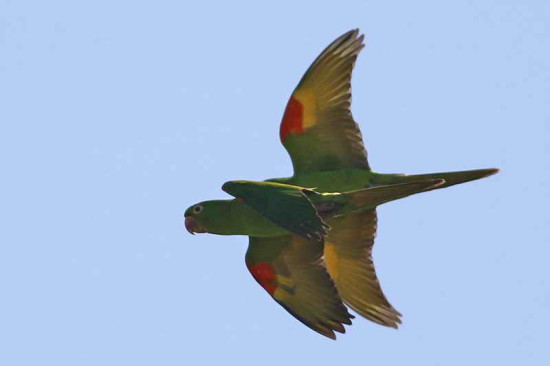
<point>282,204</point>
<point>312,234</point>
<point>265,209</point>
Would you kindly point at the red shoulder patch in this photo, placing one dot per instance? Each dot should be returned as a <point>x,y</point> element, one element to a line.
<point>292,119</point>
<point>264,273</point>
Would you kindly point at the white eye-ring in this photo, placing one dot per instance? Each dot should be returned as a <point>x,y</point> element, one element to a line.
<point>197,209</point>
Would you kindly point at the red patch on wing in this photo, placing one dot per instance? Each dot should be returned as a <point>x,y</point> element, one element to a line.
<point>264,273</point>
<point>292,119</point>
<point>240,200</point>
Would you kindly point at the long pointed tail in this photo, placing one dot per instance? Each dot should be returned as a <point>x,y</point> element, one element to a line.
<point>368,198</point>
<point>451,178</point>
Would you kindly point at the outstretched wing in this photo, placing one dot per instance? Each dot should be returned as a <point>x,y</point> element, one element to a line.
<point>318,129</point>
<point>290,269</point>
<point>282,204</point>
<point>348,256</point>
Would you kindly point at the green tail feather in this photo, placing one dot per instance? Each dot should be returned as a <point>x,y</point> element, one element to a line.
<point>451,178</point>
<point>369,198</point>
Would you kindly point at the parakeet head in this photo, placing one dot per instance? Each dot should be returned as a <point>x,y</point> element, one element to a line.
<point>208,216</point>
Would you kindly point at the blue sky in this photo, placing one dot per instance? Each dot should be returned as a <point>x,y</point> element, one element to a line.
<point>116,116</point>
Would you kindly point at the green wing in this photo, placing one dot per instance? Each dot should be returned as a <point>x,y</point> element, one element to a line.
<point>318,129</point>
<point>282,204</point>
<point>290,269</point>
<point>348,257</point>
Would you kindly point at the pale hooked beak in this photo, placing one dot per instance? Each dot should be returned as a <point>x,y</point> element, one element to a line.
<point>192,226</point>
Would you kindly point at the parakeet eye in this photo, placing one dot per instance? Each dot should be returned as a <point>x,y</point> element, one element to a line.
<point>197,209</point>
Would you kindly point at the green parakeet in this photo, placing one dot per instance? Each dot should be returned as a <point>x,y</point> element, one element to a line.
<point>311,235</point>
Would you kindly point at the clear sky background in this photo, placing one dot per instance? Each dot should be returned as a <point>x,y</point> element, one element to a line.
<point>117,115</point>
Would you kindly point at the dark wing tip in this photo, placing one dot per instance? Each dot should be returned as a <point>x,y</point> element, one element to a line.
<point>227,186</point>
<point>328,333</point>
<point>351,34</point>
<point>350,41</point>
